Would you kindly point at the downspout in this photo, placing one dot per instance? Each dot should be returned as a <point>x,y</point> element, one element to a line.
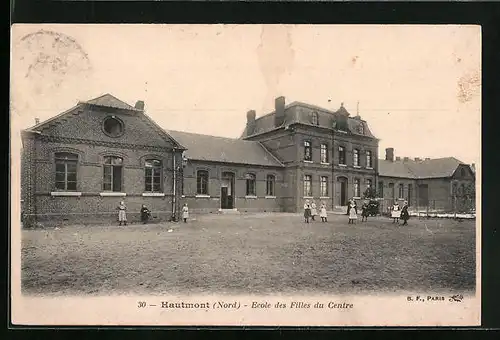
<point>333,178</point>
<point>174,199</point>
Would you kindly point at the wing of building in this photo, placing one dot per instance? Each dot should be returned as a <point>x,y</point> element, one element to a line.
<point>78,165</point>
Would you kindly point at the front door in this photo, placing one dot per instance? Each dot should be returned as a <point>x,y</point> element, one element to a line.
<point>226,191</point>
<point>341,191</point>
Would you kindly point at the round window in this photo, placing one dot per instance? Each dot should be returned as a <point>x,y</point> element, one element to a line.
<point>113,127</point>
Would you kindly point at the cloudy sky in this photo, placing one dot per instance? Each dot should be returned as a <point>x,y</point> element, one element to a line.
<point>417,86</point>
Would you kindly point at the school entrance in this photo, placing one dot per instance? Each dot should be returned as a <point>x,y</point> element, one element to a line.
<point>227,191</point>
<point>341,191</point>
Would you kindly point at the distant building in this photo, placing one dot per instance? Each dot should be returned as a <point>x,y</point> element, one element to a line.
<point>78,165</point>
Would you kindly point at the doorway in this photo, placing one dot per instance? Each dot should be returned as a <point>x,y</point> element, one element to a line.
<point>227,191</point>
<point>342,191</point>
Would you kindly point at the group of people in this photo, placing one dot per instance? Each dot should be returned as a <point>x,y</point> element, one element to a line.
<point>145,213</point>
<point>311,211</point>
<point>397,213</point>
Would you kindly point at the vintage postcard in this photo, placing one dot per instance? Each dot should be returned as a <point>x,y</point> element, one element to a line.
<point>246,175</point>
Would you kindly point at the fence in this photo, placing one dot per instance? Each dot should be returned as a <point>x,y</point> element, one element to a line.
<point>449,207</point>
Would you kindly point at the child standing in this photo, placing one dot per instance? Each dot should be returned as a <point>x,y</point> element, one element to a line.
<point>364,213</point>
<point>314,211</point>
<point>122,214</point>
<point>145,214</point>
<point>405,216</point>
<point>185,212</point>
<point>396,213</point>
<point>307,211</point>
<point>353,213</point>
<point>322,212</point>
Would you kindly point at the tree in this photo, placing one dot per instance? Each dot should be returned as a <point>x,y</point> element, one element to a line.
<point>370,193</point>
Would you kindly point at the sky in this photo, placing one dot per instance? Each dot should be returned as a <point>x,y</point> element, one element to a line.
<point>418,87</point>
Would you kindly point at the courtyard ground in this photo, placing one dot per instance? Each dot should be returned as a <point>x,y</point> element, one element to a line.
<point>251,254</point>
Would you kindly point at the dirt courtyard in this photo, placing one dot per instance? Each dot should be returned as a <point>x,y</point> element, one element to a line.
<point>252,254</point>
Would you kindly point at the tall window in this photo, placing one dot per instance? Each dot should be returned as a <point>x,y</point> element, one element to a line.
<point>324,153</point>
<point>391,190</point>
<point>112,173</point>
<point>341,155</point>
<point>381,189</point>
<point>357,191</point>
<point>307,186</point>
<point>66,164</point>
<point>314,118</point>
<point>368,183</point>
<point>307,151</point>
<point>202,182</point>
<point>323,186</point>
<point>401,191</point>
<point>410,193</point>
<point>152,175</point>
<point>355,154</point>
<point>369,159</point>
<point>270,185</point>
<point>250,179</point>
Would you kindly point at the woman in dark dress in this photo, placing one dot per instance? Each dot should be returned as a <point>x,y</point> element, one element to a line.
<point>405,216</point>
<point>144,214</point>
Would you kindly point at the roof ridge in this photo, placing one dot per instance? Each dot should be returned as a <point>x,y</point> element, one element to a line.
<point>213,136</point>
<point>37,126</point>
<point>269,152</point>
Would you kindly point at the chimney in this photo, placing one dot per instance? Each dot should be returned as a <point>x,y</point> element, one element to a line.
<point>279,109</point>
<point>250,122</point>
<point>37,121</point>
<point>427,159</point>
<point>139,105</point>
<point>417,159</point>
<point>398,158</point>
<point>406,159</point>
<point>473,166</point>
<point>389,154</point>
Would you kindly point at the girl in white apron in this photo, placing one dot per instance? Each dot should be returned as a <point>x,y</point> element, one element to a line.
<point>396,213</point>
<point>322,212</point>
<point>314,211</point>
<point>353,213</point>
<point>122,214</point>
<point>185,212</point>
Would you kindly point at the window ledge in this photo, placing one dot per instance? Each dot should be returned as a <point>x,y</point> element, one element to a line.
<point>356,166</point>
<point>252,197</point>
<point>202,196</point>
<point>369,168</point>
<point>344,165</point>
<point>112,194</point>
<point>308,197</point>
<point>308,161</point>
<point>325,197</point>
<point>153,194</point>
<point>270,197</point>
<point>341,131</point>
<point>323,163</point>
<point>357,198</point>
<point>66,193</point>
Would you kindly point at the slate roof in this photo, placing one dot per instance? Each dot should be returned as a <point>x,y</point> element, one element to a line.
<point>109,100</point>
<point>300,113</point>
<point>432,168</point>
<point>222,149</point>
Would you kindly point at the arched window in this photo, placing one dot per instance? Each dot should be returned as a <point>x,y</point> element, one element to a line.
<point>356,158</point>
<point>152,175</point>
<point>202,182</point>
<point>323,186</point>
<point>307,151</point>
<point>250,185</point>
<point>357,189</point>
<point>324,153</point>
<point>270,181</point>
<point>369,159</point>
<point>307,186</point>
<point>113,173</point>
<point>66,169</point>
